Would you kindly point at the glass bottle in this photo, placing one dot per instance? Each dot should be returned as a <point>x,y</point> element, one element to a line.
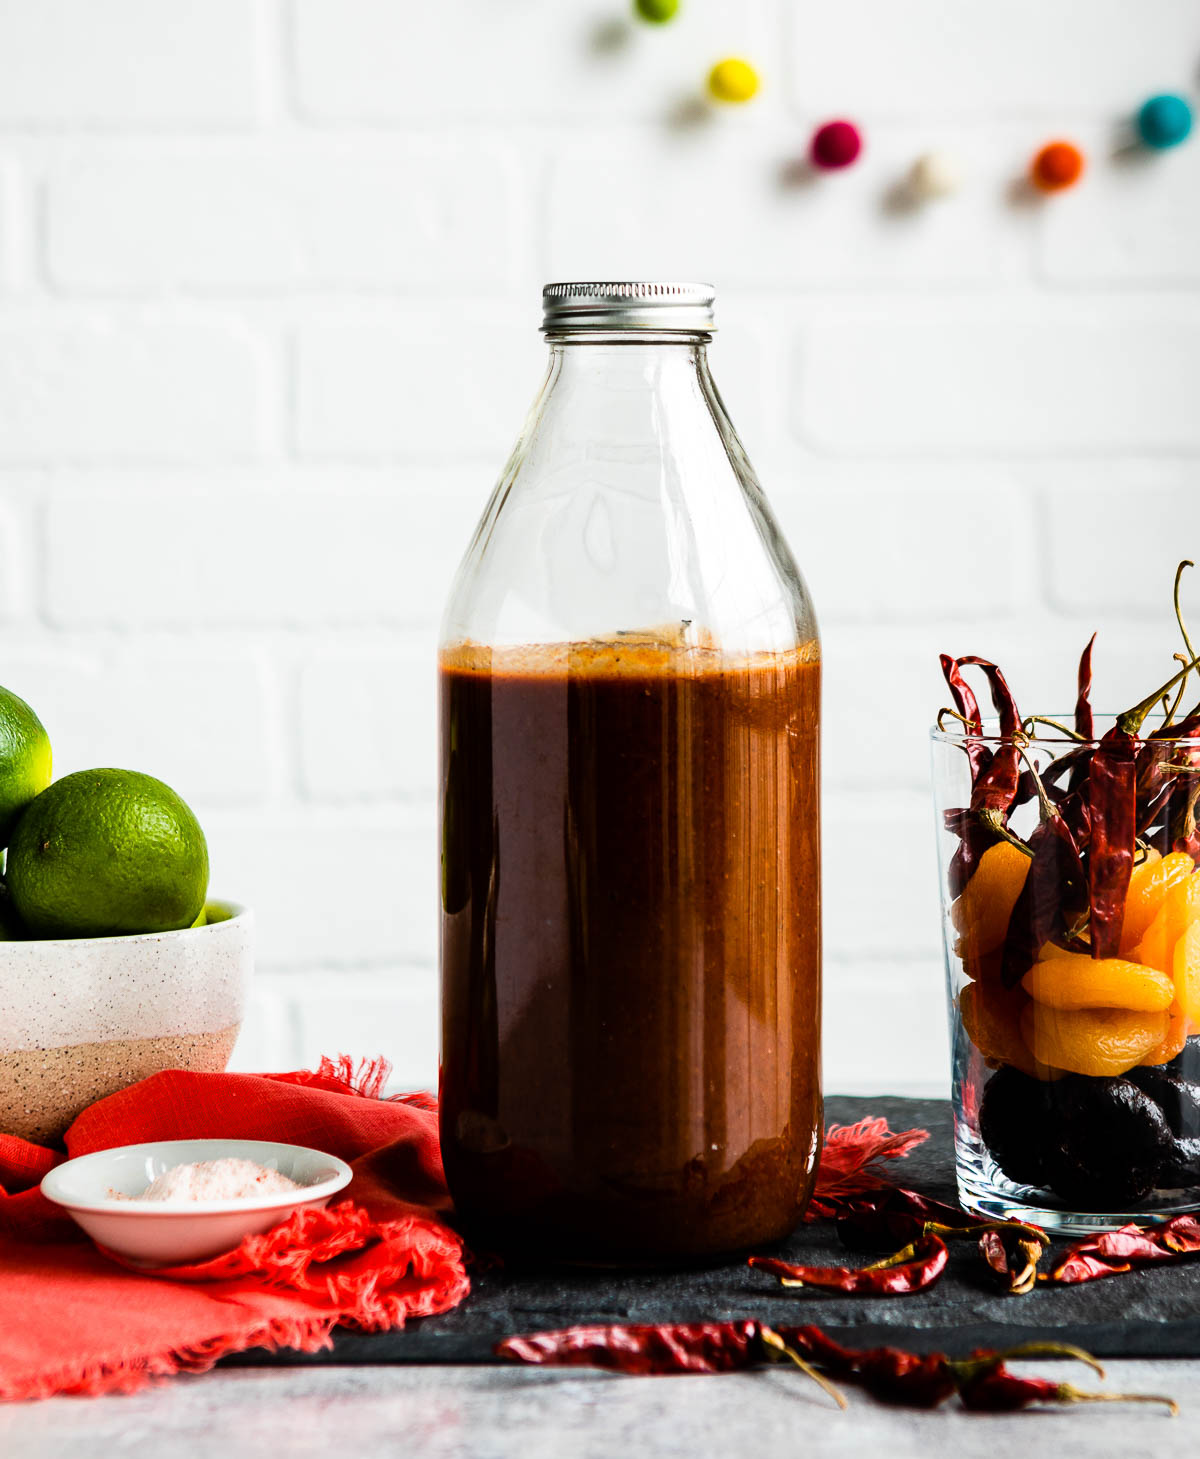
<point>630,860</point>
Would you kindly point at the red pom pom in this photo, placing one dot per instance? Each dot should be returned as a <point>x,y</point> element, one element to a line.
<point>1056,166</point>
<point>834,145</point>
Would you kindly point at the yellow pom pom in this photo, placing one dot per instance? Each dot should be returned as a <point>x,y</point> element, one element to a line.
<point>733,80</point>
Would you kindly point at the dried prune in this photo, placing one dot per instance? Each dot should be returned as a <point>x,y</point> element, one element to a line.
<point>1109,1140</point>
<point>1186,1064</point>
<point>1015,1123</point>
<point>1182,1166</point>
<point>1179,1099</point>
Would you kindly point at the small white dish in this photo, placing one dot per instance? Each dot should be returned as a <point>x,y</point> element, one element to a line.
<point>160,1233</point>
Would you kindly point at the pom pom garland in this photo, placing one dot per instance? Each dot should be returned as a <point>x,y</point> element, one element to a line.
<point>1057,165</point>
<point>1164,121</point>
<point>935,175</point>
<point>657,12</point>
<point>733,81</point>
<point>834,145</point>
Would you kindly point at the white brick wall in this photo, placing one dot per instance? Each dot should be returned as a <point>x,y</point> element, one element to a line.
<point>268,306</point>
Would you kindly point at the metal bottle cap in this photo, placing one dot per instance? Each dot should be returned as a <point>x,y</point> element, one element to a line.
<point>570,308</point>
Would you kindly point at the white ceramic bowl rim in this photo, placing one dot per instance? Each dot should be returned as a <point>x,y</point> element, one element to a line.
<point>183,1152</point>
<point>237,913</point>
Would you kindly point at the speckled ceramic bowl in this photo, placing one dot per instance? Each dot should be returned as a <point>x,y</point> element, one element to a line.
<point>83,1017</point>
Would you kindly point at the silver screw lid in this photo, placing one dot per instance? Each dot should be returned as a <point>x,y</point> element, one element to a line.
<point>571,308</point>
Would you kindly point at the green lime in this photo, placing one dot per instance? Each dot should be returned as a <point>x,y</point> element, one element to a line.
<point>658,12</point>
<point>103,853</point>
<point>24,760</point>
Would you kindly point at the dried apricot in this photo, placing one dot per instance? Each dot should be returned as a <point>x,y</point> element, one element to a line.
<point>986,967</point>
<point>1097,1041</point>
<point>1107,982</point>
<point>1180,908</point>
<point>1186,966</point>
<point>1177,1035</point>
<point>1152,879</point>
<point>981,914</point>
<point>991,1016</point>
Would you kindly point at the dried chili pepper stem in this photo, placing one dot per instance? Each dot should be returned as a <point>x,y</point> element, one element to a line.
<point>1173,709</point>
<point>898,1258</point>
<point>1045,806</point>
<point>1000,1391</point>
<point>771,1340</point>
<point>948,713</point>
<point>1187,642</point>
<point>1026,727</point>
<point>1131,721</point>
<point>994,821</point>
<point>979,1228</point>
<point>1068,1393</point>
<point>983,1362</point>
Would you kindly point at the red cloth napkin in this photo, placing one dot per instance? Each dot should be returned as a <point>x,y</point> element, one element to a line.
<point>73,1320</point>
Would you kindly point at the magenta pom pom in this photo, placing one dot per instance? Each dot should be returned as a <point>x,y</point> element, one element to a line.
<point>836,144</point>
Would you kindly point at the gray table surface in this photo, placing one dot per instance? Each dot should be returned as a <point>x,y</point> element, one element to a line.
<point>492,1413</point>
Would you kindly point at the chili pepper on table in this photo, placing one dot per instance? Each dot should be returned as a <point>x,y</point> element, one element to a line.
<point>1113,1252</point>
<point>658,1349</point>
<point>912,1269</point>
<point>886,1219</point>
<point>892,1375</point>
<point>1012,1249</point>
<point>999,1390</point>
<point>1013,1252</point>
<point>695,1347</point>
<point>914,1380</point>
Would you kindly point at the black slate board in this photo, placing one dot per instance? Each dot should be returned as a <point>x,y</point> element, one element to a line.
<point>1149,1313</point>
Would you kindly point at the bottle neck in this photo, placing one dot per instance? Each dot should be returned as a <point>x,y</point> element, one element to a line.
<point>628,375</point>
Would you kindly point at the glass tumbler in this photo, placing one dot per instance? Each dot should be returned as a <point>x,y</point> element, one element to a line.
<point>1076,1079</point>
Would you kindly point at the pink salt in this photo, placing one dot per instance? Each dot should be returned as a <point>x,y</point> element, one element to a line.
<point>216,1180</point>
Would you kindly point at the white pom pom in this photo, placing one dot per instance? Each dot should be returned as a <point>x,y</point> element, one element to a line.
<point>935,175</point>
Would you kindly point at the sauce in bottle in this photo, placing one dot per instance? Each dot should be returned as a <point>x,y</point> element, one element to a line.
<point>630,942</point>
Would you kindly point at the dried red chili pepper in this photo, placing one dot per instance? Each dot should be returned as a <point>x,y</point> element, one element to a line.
<point>1114,1252</point>
<point>912,1269</point>
<point>1181,1234</point>
<point>994,775</point>
<point>995,787</point>
<point>893,1217</point>
<point>1082,1266</point>
<point>656,1349</point>
<point>914,1380</point>
<point>1084,723</point>
<point>1112,804</point>
<point>697,1347</point>
<point>998,1390</point>
<point>1014,1252</point>
<point>1054,888</point>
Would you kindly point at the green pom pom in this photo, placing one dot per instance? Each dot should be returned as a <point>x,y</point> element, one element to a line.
<point>657,12</point>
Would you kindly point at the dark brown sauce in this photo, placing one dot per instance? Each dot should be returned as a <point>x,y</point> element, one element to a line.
<point>630,948</point>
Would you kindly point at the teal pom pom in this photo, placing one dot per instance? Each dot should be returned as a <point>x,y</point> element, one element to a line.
<point>1164,121</point>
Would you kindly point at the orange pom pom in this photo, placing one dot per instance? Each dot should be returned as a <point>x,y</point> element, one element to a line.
<point>1056,166</point>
